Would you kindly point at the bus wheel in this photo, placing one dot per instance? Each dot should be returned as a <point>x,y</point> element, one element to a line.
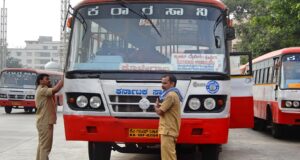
<point>30,110</point>
<point>99,151</point>
<point>277,130</point>
<point>211,152</point>
<point>259,124</point>
<point>8,109</point>
<point>25,109</point>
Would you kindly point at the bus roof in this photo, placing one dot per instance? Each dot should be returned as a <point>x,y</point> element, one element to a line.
<point>38,71</point>
<point>276,53</point>
<point>217,3</point>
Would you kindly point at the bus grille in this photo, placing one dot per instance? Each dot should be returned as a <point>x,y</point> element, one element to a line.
<point>127,104</point>
<point>13,96</point>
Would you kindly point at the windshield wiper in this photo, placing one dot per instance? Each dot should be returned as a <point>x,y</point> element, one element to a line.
<point>124,4</point>
<point>78,16</point>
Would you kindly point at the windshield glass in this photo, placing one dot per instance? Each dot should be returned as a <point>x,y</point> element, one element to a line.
<point>177,38</point>
<point>17,79</point>
<point>290,77</point>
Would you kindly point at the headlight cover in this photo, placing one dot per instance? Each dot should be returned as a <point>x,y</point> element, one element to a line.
<point>82,101</point>
<point>194,104</point>
<point>296,104</point>
<point>209,104</point>
<point>3,96</point>
<point>95,102</point>
<point>288,103</point>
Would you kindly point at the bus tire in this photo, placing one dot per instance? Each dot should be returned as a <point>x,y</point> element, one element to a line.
<point>259,124</point>
<point>211,152</point>
<point>25,109</point>
<point>99,151</point>
<point>8,109</point>
<point>30,110</point>
<point>277,130</point>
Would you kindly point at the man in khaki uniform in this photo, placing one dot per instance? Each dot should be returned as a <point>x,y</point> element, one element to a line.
<point>45,115</point>
<point>169,121</point>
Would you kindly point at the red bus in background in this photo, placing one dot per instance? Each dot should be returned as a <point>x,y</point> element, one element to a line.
<point>117,54</point>
<point>277,90</point>
<point>17,88</point>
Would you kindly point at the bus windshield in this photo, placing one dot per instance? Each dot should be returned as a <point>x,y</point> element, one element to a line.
<point>290,71</point>
<point>18,79</point>
<point>148,37</point>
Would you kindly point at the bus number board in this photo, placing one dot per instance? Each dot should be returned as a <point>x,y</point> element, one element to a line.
<point>143,133</point>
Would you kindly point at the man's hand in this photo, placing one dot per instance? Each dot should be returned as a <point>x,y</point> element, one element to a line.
<point>157,103</point>
<point>156,107</point>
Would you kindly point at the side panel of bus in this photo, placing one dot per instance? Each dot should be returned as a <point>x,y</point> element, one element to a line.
<point>241,106</point>
<point>241,109</point>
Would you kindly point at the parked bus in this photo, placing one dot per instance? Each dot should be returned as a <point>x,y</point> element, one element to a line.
<point>17,88</point>
<point>277,90</point>
<point>117,54</point>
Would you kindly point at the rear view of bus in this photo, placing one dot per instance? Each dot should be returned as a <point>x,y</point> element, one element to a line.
<point>277,84</point>
<point>17,89</point>
<point>118,52</point>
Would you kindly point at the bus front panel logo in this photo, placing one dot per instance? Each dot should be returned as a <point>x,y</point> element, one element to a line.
<point>144,103</point>
<point>212,87</point>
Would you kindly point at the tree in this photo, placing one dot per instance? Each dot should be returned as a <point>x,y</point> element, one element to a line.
<point>266,25</point>
<point>13,63</point>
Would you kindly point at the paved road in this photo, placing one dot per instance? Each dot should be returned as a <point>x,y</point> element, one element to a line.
<point>18,140</point>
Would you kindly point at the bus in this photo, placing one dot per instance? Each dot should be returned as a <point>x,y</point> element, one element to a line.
<point>277,91</point>
<point>119,50</point>
<point>17,88</point>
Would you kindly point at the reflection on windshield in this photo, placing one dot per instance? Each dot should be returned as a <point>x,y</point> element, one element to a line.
<point>17,79</point>
<point>117,39</point>
<point>290,72</point>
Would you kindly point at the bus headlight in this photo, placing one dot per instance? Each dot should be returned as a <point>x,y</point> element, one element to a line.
<point>95,102</point>
<point>288,103</point>
<point>194,103</point>
<point>3,96</point>
<point>81,101</point>
<point>209,104</point>
<point>296,104</point>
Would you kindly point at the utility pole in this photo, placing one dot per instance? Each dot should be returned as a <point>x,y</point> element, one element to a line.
<point>64,35</point>
<point>3,37</point>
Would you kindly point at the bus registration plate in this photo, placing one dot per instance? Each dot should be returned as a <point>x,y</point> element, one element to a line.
<point>143,133</point>
<point>16,103</point>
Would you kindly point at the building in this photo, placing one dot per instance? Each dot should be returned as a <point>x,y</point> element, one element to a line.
<point>37,53</point>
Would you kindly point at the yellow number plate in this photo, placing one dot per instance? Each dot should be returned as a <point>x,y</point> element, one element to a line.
<point>16,103</point>
<point>143,133</point>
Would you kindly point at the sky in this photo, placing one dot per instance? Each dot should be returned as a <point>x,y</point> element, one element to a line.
<point>29,19</point>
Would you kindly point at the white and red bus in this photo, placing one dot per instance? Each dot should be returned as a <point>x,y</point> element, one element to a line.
<point>277,90</point>
<point>17,88</point>
<point>117,54</point>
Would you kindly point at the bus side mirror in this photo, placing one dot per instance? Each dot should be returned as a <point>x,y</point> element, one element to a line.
<point>230,33</point>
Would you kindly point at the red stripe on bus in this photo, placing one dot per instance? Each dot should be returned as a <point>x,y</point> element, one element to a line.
<point>109,129</point>
<point>278,116</point>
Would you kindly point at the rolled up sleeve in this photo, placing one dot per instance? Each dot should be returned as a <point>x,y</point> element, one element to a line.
<point>167,103</point>
<point>46,91</point>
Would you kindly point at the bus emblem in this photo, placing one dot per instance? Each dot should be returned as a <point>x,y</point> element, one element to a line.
<point>144,103</point>
<point>212,87</point>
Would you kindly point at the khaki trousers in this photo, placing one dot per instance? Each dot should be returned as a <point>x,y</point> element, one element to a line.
<point>168,147</point>
<point>45,139</point>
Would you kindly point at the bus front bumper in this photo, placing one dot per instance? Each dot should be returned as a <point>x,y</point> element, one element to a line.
<point>17,103</point>
<point>110,129</point>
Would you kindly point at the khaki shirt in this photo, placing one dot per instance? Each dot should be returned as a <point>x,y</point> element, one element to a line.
<point>169,122</point>
<point>46,108</point>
